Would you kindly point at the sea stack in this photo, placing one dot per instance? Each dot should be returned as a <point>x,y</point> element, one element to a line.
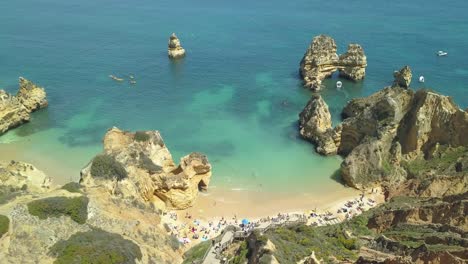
<point>321,61</point>
<point>175,50</point>
<point>402,77</point>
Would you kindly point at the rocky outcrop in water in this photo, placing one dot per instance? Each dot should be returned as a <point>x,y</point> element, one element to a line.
<point>316,126</point>
<point>321,61</point>
<point>16,110</point>
<point>175,50</point>
<point>139,167</point>
<point>403,77</point>
<point>353,63</point>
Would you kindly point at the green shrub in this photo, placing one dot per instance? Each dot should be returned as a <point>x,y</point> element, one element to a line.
<point>4,225</point>
<point>241,254</point>
<point>196,253</point>
<point>72,187</point>
<point>96,246</point>
<point>8,193</point>
<point>105,166</point>
<point>141,136</point>
<point>76,208</point>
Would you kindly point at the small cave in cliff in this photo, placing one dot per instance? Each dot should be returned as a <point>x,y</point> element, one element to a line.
<point>202,187</point>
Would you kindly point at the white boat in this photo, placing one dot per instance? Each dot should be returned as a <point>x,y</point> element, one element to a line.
<point>339,85</point>
<point>421,79</point>
<point>441,53</point>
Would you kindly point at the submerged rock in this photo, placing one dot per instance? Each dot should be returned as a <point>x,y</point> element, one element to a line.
<point>139,167</point>
<point>402,77</point>
<point>15,110</point>
<point>175,50</point>
<point>321,61</point>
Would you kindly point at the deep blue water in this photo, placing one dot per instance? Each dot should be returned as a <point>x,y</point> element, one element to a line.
<point>236,95</point>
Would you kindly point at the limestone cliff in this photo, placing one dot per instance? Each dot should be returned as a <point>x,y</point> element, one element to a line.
<point>139,167</point>
<point>175,50</point>
<point>321,61</point>
<point>382,134</point>
<point>15,110</point>
<point>42,221</point>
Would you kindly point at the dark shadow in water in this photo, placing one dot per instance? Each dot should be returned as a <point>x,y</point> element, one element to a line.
<point>291,132</point>
<point>40,121</point>
<point>84,137</point>
<point>176,67</point>
<point>336,176</point>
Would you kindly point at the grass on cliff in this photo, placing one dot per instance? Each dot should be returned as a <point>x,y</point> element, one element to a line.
<point>105,166</point>
<point>72,187</point>
<point>76,208</point>
<point>4,225</point>
<point>295,243</point>
<point>196,253</point>
<point>8,193</point>
<point>443,160</point>
<point>95,247</point>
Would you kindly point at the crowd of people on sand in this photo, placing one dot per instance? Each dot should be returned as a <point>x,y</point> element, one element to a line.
<point>190,230</point>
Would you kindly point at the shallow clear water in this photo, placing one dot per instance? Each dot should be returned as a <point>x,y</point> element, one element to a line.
<point>236,95</point>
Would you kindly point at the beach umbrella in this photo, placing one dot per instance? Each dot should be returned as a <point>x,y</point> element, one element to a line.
<point>245,221</point>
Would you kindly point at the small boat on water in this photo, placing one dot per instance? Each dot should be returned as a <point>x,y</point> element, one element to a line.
<point>132,82</point>
<point>116,78</point>
<point>421,79</point>
<point>441,53</point>
<point>339,84</point>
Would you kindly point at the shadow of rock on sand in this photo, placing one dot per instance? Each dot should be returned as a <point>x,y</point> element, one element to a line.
<point>336,176</point>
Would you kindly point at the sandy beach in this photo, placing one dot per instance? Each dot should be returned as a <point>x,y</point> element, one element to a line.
<point>200,223</point>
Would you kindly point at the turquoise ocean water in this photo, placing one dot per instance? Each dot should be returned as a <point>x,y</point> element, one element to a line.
<point>236,96</point>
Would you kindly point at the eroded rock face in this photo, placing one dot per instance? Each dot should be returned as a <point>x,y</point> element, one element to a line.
<point>381,134</point>
<point>29,239</point>
<point>31,96</point>
<point>316,126</point>
<point>21,175</point>
<point>321,61</point>
<point>150,173</point>
<point>395,124</point>
<point>175,50</point>
<point>353,63</point>
<point>403,77</point>
<point>15,110</point>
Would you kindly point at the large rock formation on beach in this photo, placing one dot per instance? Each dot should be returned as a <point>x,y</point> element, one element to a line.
<point>16,110</point>
<point>175,50</point>
<point>383,135</point>
<point>139,167</point>
<point>321,61</point>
